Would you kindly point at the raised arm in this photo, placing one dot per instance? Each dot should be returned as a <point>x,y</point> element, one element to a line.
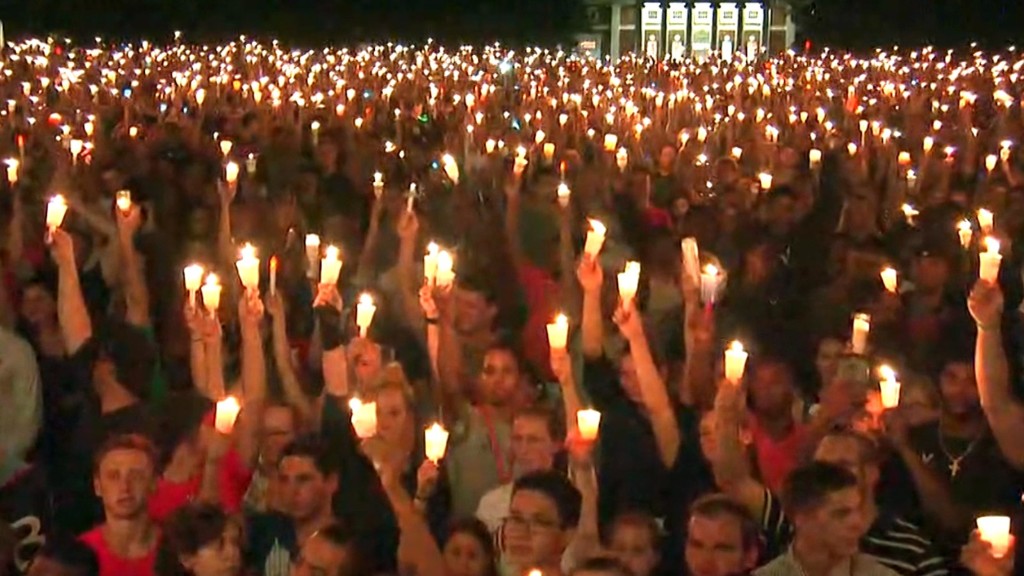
<point>71,309</point>
<point>283,359</point>
<point>1004,412</point>
<point>730,465</point>
<point>591,278</point>
<point>328,306</point>
<point>513,204</point>
<point>449,361</point>
<point>132,278</point>
<point>254,376</point>
<point>561,366</point>
<point>365,271</point>
<point>652,387</point>
<point>408,232</point>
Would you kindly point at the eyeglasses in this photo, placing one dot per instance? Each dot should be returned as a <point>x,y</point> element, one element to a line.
<point>530,525</point>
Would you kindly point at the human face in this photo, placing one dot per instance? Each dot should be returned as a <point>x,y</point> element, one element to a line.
<point>714,547</point>
<point>306,492</point>
<point>916,406</point>
<point>278,431</point>
<point>633,547</point>
<point>393,418</point>
<point>771,390</point>
<point>846,452</point>
<point>627,376</point>
<point>465,556</point>
<point>499,378</point>
<point>930,273</point>
<point>959,389</point>
<point>836,526</point>
<point>827,360</point>
<point>37,306</point>
<point>473,314</point>
<point>320,557</point>
<point>667,159</point>
<point>222,557</point>
<point>533,531</point>
<point>124,482</point>
<point>532,445</point>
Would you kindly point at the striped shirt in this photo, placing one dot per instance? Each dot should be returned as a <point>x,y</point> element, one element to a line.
<point>891,541</point>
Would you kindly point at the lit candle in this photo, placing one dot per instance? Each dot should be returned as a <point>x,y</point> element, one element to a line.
<point>595,238</point>
<point>231,173</point>
<point>889,387</point>
<point>12,170</point>
<point>928,144</point>
<point>378,184</point>
<point>610,142</point>
<point>815,157</point>
<point>990,261</point>
<point>430,264</point>
<point>435,442</point>
<point>765,180</point>
<point>193,280</point>
<point>365,310</point>
<point>691,259</point>
<point>737,152</point>
<point>225,147</point>
<point>445,269</point>
<point>211,293</point>
<point>709,284</point>
<point>851,148</point>
<point>735,362</point>
<point>312,254</point>
<point>227,413</point>
<point>965,232</point>
<point>489,146</point>
<point>996,531</point>
<point>991,161</point>
<point>248,266</point>
<point>273,275</point>
<point>250,164</point>
<point>629,282</point>
<point>563,195</point>
<point>985,220</point>
<point>75,147</point>
<point>549,151</point>
<point>589,422</point>
<point>56,209</point>
<point>861,329</point>
<point>904,158</point>
<point>133,132</point>
<point>889,279</point>
<point>314,132</point>
<point>410,197</point>
<point>124,201</point>
<point>622,159</point>
<point>364,418</point>
<point>330,266</point>
<point>558,333</point>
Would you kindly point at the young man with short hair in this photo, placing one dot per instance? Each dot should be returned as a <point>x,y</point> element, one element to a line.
<point>825,504</point>
<point>330,551</point>
<point>125,477</point>
<point>542,520</point>
<point>722,538</point>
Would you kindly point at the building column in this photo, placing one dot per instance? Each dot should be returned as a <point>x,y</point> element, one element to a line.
<point>790,28</point>
<point>616,25</point>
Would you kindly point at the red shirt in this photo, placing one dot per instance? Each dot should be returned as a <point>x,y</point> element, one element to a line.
<point>111,565</point>
<point>233,481</point>
<point>541,292</point>
<point>777,458</point>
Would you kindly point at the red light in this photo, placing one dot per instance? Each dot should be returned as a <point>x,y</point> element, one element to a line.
<point>807,45</point>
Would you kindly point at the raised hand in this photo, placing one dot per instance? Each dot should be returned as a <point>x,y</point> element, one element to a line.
<point>328,295</point>
<point>62,247</point>
<point>408,226</point>
<point>428,304</point>
<point>128,223</point>
<point>986,304</point>
<point>630,322</point>
<point>590,275</point>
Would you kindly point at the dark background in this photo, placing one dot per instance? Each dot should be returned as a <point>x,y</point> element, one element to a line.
<point>859,24</point>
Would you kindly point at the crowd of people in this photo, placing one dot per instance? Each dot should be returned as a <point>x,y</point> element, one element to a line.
<point>417,311</point>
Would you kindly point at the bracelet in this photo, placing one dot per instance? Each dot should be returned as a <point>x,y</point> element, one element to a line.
<point>432,321</point>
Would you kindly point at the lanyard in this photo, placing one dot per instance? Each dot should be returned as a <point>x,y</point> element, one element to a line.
<point>504,475</point>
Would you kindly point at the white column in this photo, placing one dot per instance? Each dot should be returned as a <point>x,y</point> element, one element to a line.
<point>613,48</point>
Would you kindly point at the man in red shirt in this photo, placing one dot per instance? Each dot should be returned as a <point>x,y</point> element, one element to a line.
<point>124,479</point>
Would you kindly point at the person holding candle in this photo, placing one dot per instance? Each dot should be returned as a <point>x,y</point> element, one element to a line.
<point>543,514</point>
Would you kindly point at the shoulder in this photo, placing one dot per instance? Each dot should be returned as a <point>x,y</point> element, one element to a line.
<point>780,566</point>
<point>868,566</point>
<point>93,538</point>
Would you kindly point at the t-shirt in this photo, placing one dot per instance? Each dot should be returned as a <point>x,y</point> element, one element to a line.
<point>480,446</point>
<point>272,544</point>
<point>112,565</point>
<point>777,458</point>
<point>25,506</point>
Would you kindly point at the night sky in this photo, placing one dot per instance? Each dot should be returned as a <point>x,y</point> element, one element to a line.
<point>843,23</point>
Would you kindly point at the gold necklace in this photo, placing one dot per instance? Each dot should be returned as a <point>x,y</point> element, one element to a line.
<point>954,462</point>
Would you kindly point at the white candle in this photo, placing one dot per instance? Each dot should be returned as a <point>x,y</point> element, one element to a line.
<point>12,170</point>
<point>985,220</point>
<point>595,238</point>
<point>889,388</point>
<point>365,310</point>
<point>273,275</point>
<point>735,362</point>
<point>709,284</point>
<point>378,184</point>
<point>622,159</point>
<point>312,254</point>
<point>430,264</point>
<point>330,266</point>
<point>225,147</point>
<point>124,200</point>
<point>410,197</point>
<point>489,146</point>
<point>889,277</point>
<point>610,142</point>
<point>248,266</point>
<point>364,418</point>
<point>904,158</point>
<point>737,152</point>
<point>227,413</point>
<point>75,147</point>
<point>815,157</point>
<point>435,442</point>
<point>996,531</point>
<point>451,169</point>
<point>56,209</point>
<point>445,269</point>
<point>629,282</point>
<point>851,148</point>
<point>928,144</point>
<point>211,293</point>
<point>991,161</point>
<point>250,164</point>
<point>990,261</point>
<point>193,280</point>
<point>558,333</point>
<point>765,179</point>
<point>588,421</point>
<point>965,232</point>
<point>861,329</point>
<point>563,195</point>
<point>549,151</point>
<point>231,172</point>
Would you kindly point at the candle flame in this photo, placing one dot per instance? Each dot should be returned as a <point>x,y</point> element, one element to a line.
<point>886,372</point>
<point>736,346</point>
<point>992,245</point>
<point>212,280</point>
<point>598,227</point>
<point>365,299</point>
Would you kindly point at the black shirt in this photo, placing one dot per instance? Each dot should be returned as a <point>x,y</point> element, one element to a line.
<point>25,505</point>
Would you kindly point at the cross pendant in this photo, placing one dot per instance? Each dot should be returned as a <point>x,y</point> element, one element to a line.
<point>954,468</point>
